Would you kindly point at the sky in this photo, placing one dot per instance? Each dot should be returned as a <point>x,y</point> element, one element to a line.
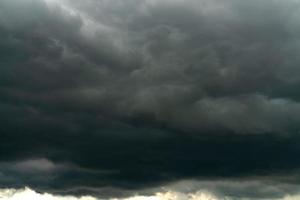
<point>149,99</point>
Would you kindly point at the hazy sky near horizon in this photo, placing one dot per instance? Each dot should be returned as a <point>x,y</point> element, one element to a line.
<point>147,98</point>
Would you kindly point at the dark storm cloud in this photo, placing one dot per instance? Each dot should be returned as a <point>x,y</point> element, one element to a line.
<point>99,95</point>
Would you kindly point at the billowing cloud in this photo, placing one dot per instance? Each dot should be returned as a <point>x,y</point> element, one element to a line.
<point>116,97</point>
<point>28,194</point>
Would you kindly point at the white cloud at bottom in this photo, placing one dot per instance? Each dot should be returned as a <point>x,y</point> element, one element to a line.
<point>29,194</point>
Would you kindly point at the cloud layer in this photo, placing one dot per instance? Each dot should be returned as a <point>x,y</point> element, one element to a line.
<point>27,194</point>
<point>112,97</point>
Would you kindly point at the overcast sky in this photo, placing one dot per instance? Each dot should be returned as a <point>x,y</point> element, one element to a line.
<point>135,99</point>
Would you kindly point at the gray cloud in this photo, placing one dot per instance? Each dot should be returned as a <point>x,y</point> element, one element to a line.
<point>134,94</point>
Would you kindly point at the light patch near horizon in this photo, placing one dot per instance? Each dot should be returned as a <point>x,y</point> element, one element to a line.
<point>28,194</point>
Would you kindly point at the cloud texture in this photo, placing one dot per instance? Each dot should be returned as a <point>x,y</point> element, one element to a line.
<point>116,97</point>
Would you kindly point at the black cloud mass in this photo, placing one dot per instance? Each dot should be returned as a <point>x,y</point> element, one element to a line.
<point>115,97</point>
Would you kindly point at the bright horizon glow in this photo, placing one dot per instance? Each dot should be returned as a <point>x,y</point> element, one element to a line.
<point>28,194</point>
